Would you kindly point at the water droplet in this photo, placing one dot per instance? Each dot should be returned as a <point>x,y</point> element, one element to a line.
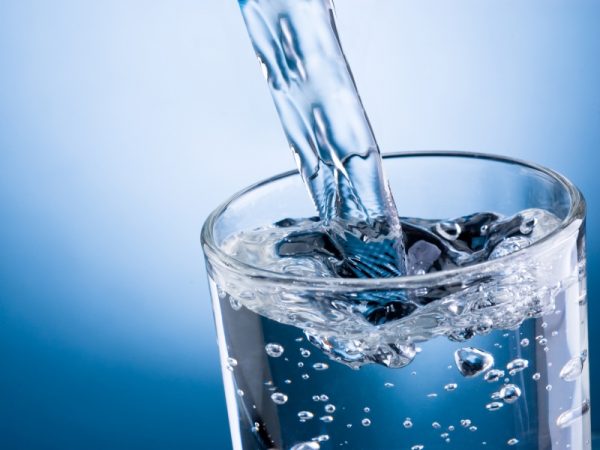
<point>388,385</point>
<point>573,368</point>
<point>436,425</point>
<point>305,376</point>
<point>320,366</point>
<point>305,415</point>
<point>517,365</point>
<point>407,423</point>
<point>510,393</point>
<point>366,422</point>
<point>274,350</point>
<point>231,364</point>
<point>494,406</point>
<point>471,361</point>
<point>306,446</point>
<point>305,353</point>
<point>279,398</point>
<point>450,387</point>
<point>513,441</point>
<point>465,423</point>
<point>524,342</point>
<point>568,417</point>
<point>536,376</point>
<point>326,419</point>
<point>330,408</point>
<point>493,375</point>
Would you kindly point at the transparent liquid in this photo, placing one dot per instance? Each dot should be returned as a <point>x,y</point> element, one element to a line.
<point>298,48</point>
<point>499,362</point>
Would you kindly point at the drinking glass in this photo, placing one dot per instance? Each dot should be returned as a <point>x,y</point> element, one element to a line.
<point>526,311</point>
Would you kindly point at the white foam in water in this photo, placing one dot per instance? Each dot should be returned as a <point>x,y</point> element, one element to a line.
<point>338,327</point>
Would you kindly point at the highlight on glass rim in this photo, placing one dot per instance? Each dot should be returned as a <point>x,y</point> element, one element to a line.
<point>420,300</point>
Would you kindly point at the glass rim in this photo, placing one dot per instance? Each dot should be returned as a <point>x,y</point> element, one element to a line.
<point>577,209</point>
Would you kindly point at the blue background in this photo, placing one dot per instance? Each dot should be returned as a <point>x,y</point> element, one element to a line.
<point>123,123</point>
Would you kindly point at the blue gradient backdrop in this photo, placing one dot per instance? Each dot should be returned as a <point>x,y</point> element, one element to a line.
<point>123,123</point>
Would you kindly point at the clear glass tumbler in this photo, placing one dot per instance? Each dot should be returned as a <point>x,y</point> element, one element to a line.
<point>517,324</point>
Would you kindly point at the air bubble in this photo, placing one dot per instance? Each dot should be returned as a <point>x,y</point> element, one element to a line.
<point>326,419</point>
<point>306,446</point>
<point>493,375</point>
<point>305,376</point>
<point>510,393</point>
<point>450,387</point>
<point>231,364</point>
<point>320,366</point>
<point>513,441</point>
<point>366,422</point>
<point>573,368</point>
<point>436,425</point>
<point>407,423</point>
<point>417,447</point>
<point>494,406</point>
<point>388,385</point>
<point>517,365</point>
<point>568,417</point>
<point>274,350</point>
<point>305,353</point>
<point>305,415</point>
<point>465,423</point>
<point>536,376</point>
<point>524,342</point>
<point>471,361</point>
<point>279,398</point>
<point>330,408</point>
